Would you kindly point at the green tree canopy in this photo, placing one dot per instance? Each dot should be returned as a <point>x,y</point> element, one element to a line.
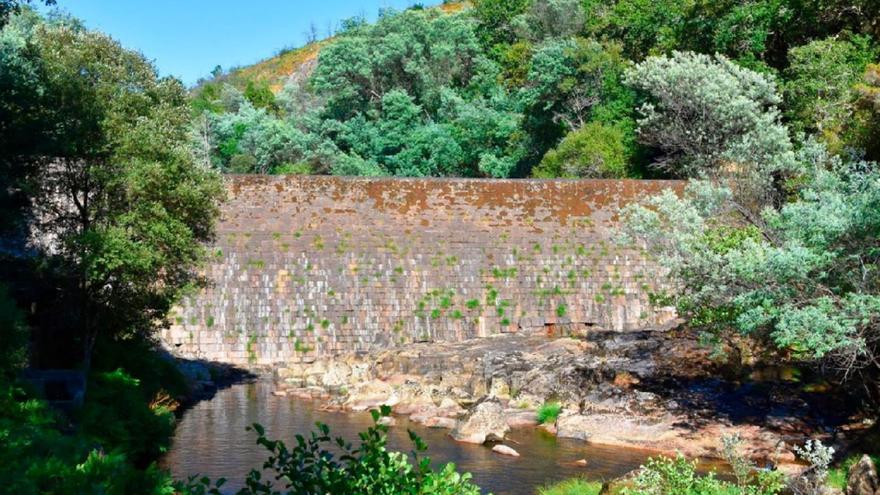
<point>120,203</point>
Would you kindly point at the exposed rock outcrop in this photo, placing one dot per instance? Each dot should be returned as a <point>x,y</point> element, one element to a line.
<point>484,422</point>
<point>863,479</point>
<point>651,390</point>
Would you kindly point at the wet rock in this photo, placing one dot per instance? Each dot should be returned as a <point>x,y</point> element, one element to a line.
<point>521,418</point>
<point>440,422</point>
<point>279,393</point>
<point>485,421</point>
<point>863,478</point>
<point>505,450</point>
<point>573,426</point>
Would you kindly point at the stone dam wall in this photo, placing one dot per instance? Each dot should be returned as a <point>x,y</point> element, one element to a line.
<point>306,267</point>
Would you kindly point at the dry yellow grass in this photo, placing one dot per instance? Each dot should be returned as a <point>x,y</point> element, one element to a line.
<point>275,71</point>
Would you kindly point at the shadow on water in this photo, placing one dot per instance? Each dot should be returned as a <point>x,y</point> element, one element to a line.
<point>211,440</point>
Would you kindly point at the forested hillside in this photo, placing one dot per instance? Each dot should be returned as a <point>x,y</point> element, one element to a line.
<point>548,88</point>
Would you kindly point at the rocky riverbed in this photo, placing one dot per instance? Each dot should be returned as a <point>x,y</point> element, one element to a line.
<point>654,390</point>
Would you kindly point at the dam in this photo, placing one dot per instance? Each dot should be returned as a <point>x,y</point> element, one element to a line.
<point>313,266</point>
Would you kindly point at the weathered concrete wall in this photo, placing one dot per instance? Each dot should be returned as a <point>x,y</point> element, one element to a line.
<point>307,266</point>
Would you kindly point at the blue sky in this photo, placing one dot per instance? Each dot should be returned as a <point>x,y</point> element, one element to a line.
<point>187,38</point>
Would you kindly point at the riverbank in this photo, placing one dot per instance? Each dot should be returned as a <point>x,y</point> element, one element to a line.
<point>656,391</point>
<point>211,440</point>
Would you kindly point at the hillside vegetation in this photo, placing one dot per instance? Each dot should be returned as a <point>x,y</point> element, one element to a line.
<point>544,88</point>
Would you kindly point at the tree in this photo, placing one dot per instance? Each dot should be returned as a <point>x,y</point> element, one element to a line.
<point>867,116</point>
<point>546,19</point>
<point>643,27</point>
<point>713,118</point>
<point>819,86</point>
<point>119,202</point>
<point>805,279</point>
<point>496,20</point>
<point>9,7</point>
<point>413,95</point>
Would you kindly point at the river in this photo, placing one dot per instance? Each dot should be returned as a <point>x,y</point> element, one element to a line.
<point>211,440</point>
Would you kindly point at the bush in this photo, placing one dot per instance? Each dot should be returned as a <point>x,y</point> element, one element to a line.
<point>574,486</point>
<point>36,458</point>
<point>118,415</point>
<point>309,468</point>
<point>299,168</point>
<point>13,335</point>
<point>595,150</point>
<point>707,112</point>
<point>678,476</point>
<point>548,412</point>
<point>242,163</point>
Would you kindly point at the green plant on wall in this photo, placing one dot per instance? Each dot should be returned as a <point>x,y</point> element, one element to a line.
<point>398,326</point>
<point>251,349</point>
<point>561,310</point>
<point>298,346</point>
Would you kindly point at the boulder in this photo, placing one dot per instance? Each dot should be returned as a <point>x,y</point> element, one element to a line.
<point>863,478</point>
<point>505,450</point>
<point>440,422</point>
<point>573,426</point>
<point>521,418</point>
<point>485,421</point>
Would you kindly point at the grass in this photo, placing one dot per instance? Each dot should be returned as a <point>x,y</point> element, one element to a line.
<point>837,476</point>
<point>573,486</point>
<point>548,412</point>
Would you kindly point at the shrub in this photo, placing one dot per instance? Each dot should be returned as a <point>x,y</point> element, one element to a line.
<point>574,486</point>
<point>370,468</point>
<point>36,458</point>
<point>707,112</point>
<point>13,335</point>
<point>242,163</point>
<point>595,150</point>
<point>117,414</point>
<point>678,476</point>
<point>299,168</point>
<point>548,412</point>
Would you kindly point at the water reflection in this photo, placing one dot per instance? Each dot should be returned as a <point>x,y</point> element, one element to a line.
<point>211,440</point>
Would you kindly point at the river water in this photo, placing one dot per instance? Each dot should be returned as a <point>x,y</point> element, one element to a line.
<point>211,440</point>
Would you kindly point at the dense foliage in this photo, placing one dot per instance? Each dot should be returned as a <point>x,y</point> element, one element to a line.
<point>104,176</point>
<point>104,212</point>
<point>538,87</point>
